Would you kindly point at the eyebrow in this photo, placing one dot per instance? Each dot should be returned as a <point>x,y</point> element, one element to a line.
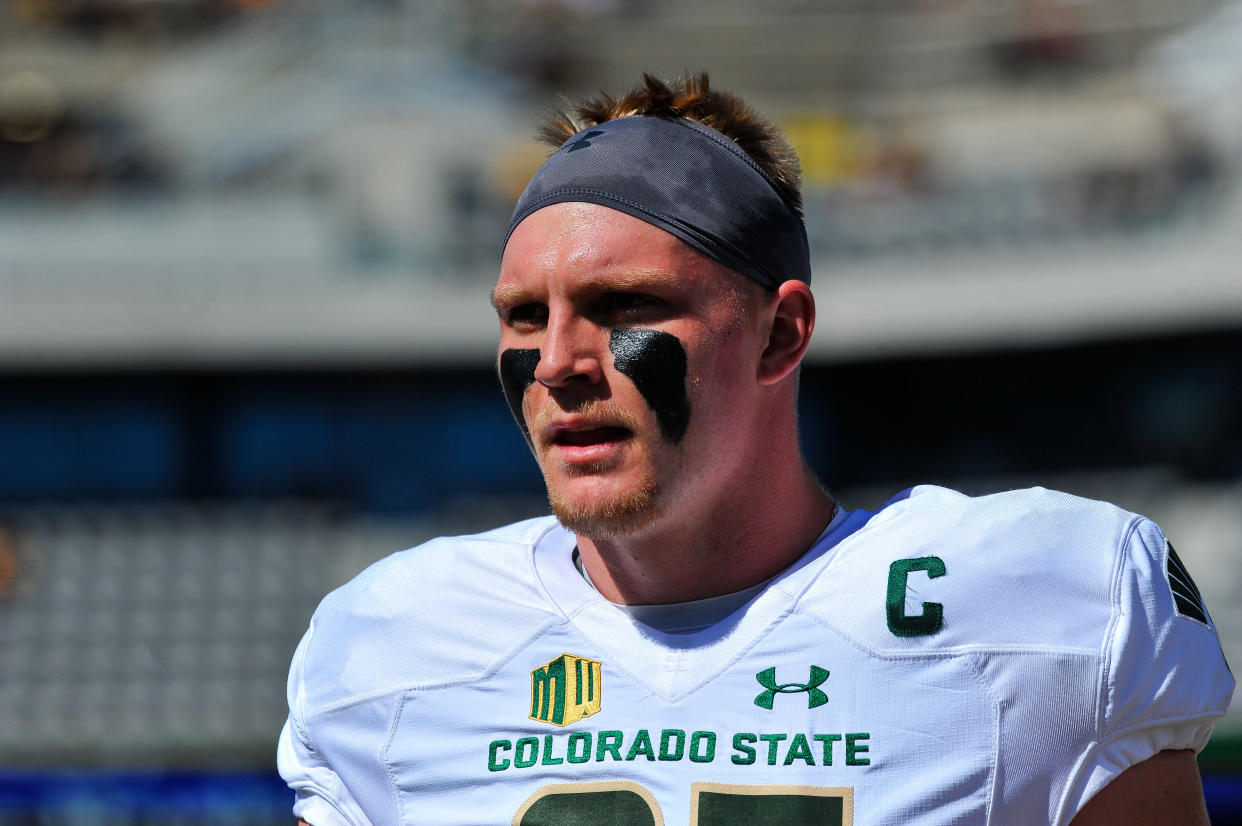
<point>508,295</point>
<point>512,295</point>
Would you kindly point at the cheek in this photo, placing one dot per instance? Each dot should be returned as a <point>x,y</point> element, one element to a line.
<point>656,362</point>
<point>721,388</point>
<point>517,372</point>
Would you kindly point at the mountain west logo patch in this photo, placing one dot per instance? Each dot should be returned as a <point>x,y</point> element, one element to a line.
<point>565,690</point>
<point>1186,597</point>
<point>814,696</point>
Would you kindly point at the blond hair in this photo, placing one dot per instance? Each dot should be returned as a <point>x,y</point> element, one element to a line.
<point>690,97</point>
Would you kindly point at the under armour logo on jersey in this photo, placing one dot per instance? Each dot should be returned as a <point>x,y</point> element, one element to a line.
<point>1186,598</point>
<point>814,697</point>
<point>584,141</point>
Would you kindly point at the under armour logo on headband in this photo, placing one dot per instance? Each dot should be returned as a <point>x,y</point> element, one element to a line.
<point>583,142</point>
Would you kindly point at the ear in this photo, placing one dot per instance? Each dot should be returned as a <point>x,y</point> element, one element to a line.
<point>790,332</point>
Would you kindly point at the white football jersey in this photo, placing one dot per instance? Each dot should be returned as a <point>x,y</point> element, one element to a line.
<point>944,660</point>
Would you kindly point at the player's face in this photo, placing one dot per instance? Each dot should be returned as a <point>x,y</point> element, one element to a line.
<point>630,361</point>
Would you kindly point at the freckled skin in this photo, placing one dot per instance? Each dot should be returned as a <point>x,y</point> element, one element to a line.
<point>656,362</point>
<point>517,372</point>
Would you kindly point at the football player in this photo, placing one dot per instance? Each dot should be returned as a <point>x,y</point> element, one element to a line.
<point>700,634</point>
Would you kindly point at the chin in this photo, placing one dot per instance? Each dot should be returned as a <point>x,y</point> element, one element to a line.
<point>608,514</point>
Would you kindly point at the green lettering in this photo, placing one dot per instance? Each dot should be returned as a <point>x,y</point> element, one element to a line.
<point>799,749</point>
<point>642,745</point>
<point>901,623</point>
<point>772,740</point>
<point>667,737</point>
<point>827,740</point>
<point>548,759</point>
<point>609,742</point>
<point>572,753</point>
<point>493,750</point>
<point>698,755</point>
<point>525,761</point>
<point>853,748</point>
<point>746,754</point>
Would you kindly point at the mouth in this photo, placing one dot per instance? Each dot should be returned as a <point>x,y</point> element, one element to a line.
<point>589,436</point>
<point>590,442</point>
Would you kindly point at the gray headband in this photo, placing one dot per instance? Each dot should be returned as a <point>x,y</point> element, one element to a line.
<point>688,180</point>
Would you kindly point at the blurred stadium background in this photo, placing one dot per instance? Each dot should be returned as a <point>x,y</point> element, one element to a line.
<point>245,349</point>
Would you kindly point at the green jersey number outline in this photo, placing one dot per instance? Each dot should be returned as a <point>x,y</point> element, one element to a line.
<point>626,803</point>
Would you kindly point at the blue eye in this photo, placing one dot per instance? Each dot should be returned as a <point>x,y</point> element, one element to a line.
<point>630,301</point>
<point>525,314</point>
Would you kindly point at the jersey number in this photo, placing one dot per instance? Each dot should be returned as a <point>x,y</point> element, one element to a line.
<point>624,803</point>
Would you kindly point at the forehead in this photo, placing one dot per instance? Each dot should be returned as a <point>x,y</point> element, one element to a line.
<point>569,245</point>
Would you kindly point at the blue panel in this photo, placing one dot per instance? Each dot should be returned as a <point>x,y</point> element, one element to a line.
<point>481,448</point>
<point>281,447</point>
<point>137,797</point>
<point>1224,798</point>
<point>412,453</point>
<point>93,447</point>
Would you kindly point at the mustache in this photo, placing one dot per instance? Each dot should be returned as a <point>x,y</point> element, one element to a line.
<point>600,413</point>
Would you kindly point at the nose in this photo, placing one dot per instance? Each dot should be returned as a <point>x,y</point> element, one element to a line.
<point>569,352</point>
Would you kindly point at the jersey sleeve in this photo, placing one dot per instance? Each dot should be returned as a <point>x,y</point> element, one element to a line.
<point>1164,680</point>
<point>321,796</point>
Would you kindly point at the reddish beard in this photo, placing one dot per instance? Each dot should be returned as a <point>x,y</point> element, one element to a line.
<point>619,514</point>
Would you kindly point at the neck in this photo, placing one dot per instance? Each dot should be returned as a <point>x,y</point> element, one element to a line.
<point>736,543</point>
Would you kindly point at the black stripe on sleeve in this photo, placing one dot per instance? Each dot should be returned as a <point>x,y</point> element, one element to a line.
<point>1186,597</point>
